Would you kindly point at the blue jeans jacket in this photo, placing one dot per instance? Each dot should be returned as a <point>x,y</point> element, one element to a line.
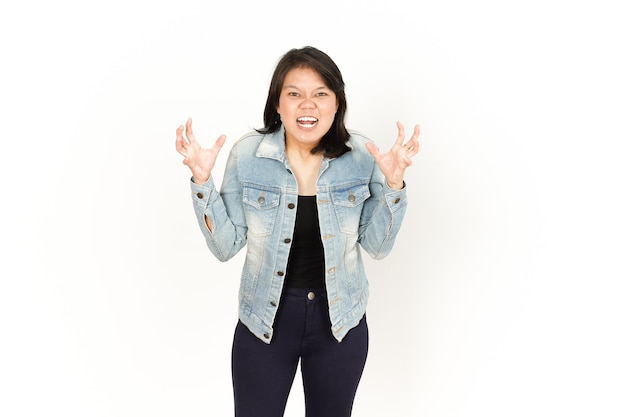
<point>256,206</point>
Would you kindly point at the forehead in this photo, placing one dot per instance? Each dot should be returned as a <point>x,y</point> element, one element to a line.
<point>303,77</point>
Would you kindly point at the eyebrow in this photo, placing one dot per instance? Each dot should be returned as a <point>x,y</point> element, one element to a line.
<point>293,86</point>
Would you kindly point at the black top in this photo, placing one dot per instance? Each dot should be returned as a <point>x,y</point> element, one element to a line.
<point>305,267</point>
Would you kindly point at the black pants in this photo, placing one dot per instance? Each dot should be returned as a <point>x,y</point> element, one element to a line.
<point>331,371</point>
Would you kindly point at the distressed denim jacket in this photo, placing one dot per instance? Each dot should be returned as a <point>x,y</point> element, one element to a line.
<point>257,204</point>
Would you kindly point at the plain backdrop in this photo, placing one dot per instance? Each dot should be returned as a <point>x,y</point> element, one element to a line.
<point>504,295</point>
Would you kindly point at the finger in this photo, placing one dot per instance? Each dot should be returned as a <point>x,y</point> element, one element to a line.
<point>180,140</point>
<point>372,150</point>
<point>416,133</point>
<point>414,143</point>
<point>400,137</point>
<point>219,142</point>
<point>189,132</point>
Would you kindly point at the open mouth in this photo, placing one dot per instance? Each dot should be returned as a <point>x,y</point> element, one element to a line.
<point>307,121</point>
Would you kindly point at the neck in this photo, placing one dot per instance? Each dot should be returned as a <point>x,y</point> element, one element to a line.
<point>305,166</point>
<point>296,147</point>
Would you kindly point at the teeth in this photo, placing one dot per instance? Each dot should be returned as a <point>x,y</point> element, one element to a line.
<point>307,119</point>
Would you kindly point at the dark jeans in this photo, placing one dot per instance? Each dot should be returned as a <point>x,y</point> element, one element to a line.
<point>331,371</point>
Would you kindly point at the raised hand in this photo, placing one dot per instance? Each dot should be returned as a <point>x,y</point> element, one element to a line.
<point>393,163</point>
<point>200,160</point>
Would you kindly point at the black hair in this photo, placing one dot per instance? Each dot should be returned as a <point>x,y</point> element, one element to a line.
<point>334,143</point>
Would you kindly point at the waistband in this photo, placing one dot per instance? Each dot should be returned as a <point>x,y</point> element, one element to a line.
<point>304,292</point>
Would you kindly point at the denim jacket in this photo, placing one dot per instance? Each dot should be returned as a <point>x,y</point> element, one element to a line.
<point>256,206</point>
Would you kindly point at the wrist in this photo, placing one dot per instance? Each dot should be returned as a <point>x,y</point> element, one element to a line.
<point>395,185</point>
<point>200,179</point>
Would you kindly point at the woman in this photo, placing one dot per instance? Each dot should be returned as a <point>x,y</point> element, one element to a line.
<point>304,194</point>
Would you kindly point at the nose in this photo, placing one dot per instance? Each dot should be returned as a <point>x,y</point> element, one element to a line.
<point>307,103</point>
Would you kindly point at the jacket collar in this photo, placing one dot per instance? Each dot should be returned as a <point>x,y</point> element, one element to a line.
<point>273,146</point>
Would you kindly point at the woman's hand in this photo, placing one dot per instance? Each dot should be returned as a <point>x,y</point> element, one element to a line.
<point>197,158</point>
<point>393,163</point>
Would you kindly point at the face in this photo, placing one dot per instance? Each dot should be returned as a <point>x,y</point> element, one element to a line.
<point>306,106</point>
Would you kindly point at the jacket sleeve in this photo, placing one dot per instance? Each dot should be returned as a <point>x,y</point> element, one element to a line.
<point>224,210</point>
<point>381,217</point>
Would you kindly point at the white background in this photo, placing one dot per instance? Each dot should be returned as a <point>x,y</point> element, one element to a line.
<point>504,295</point>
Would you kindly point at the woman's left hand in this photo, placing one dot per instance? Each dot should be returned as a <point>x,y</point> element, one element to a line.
<point>393,163</point>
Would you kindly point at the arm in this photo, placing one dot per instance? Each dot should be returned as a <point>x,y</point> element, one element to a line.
<point>384,211</point>
<point>223,236</point>
<point>382,216</point>
<point>220,215</point>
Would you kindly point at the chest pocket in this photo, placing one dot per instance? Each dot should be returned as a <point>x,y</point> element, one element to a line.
<point>348,204</point>
<point>261,207</point>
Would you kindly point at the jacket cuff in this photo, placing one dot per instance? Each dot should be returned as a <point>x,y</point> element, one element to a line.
<point>395,199</point>
<point>203,194</point>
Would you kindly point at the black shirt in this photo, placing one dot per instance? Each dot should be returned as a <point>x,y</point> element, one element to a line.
<point>305,267</point>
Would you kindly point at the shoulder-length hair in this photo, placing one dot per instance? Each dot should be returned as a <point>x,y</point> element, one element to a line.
<point>334,143</point>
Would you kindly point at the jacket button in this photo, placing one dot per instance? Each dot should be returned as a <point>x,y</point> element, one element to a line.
<point>261,200</point>
<point>200,195</point>
<point>351,198</point>
<point>291,205</point>
<point>396,201</point>
<point>273,303</point>
<point>280,273</point>
<point>265,335</point>
<point>287,240</point>
<point>310,295</point>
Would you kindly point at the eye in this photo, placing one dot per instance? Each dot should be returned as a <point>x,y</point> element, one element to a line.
<point>292,94</point>
<point>322,94</point>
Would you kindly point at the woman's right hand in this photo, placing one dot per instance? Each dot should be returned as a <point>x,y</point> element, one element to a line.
<point>199,160</point>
